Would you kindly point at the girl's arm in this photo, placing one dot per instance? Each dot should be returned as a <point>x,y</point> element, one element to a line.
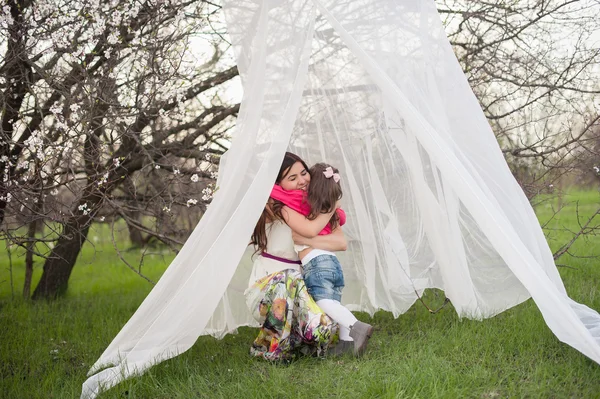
<point>336,241</point>
<point>301,225</point>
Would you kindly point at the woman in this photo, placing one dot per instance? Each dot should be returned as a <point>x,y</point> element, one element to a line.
<point>277,295</point>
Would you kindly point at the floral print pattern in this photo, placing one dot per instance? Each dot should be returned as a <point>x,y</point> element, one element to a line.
<point>290,319</point>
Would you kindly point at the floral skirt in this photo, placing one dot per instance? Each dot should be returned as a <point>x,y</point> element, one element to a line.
<point>290,319</point>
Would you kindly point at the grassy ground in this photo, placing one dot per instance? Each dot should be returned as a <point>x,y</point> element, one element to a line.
<point>47,348</point>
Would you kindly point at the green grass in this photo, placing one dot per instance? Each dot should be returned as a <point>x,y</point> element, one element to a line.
<point>47,348</point>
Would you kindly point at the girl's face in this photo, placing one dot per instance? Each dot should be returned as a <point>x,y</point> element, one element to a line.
<point>296,178</point>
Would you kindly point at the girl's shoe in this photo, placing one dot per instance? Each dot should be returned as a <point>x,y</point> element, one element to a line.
<point>360,333</point>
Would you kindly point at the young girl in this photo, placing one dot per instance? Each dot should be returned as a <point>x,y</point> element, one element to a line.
<point>322,271</point>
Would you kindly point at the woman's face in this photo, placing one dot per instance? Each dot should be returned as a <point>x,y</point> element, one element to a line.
<point>296,178</point>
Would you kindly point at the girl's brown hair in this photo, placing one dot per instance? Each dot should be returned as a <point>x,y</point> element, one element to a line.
<point>323,193</point>
<point>259,236</point>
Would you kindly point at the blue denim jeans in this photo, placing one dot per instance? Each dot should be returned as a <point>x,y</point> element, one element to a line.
<point>324,278</point>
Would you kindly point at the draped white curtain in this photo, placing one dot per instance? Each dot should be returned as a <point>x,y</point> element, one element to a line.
<point>372,87</point>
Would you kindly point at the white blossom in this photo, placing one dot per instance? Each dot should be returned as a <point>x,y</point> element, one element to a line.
<point>214,175</point>
<point>102,218</point>
<point>115,17</point>
<point>54,192</point>
<point>56,109</point>
<point>194,178</point>
<point>207,194</point>
<point>596,169</point>
<point>176,171</point>
<point>156,166</point>
<point>6,18</point>
<point>99,26</point>
<point>75,107</point>
<point>134,8</point>
<point>113,38</point>
<point>116,162</point>
<point>34,144</point>
<point>59,39</point>
<point>84,208</point>
<point>191,202</point>
<point>103,180</point>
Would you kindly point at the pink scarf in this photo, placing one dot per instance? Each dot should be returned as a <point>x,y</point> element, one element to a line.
<point>296,200</point>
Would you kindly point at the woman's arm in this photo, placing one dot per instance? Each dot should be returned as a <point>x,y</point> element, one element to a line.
<point>303,226</point>
<point>336,241</point>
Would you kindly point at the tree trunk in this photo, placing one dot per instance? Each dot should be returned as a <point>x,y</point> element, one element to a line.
<point>135,235</point>
<point>58,267</point>
<point>29,259</point>
<point>133,213</point>
<point>16,71</point>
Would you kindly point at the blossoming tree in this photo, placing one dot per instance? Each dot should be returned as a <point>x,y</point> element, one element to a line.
<point>110,110</point>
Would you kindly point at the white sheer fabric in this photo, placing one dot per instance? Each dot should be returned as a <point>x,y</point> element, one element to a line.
<point>372,87</point>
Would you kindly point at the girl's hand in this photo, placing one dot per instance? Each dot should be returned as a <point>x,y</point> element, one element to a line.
<point>300,224</point>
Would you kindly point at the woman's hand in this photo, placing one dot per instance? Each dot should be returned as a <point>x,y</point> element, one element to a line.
<point>299,239</point>
<point>336,241</point>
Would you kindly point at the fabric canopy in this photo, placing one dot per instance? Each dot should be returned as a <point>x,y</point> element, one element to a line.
<point>373,88</point>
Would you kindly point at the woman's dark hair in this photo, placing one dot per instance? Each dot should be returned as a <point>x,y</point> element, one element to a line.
<point>323,193</point>
<point>259,236</point>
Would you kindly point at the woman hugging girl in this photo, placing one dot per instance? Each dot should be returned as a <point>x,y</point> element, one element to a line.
<point>321,269</point>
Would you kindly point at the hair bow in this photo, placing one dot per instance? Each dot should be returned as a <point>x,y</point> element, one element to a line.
<point>329,174</point>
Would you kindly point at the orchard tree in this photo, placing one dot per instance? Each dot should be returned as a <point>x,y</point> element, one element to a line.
<point>110,110</point>
<point>535,67</point>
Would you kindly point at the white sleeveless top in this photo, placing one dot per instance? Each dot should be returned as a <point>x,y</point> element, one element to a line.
<point>279,243</point>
